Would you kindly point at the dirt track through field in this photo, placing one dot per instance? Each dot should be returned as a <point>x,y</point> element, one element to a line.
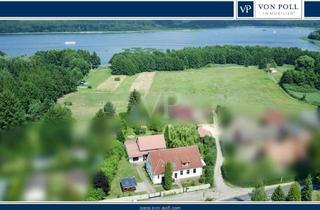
<point>143,82</point>
<point>111,84</point>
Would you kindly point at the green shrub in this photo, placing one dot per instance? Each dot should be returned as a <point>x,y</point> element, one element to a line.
<point>278,194</point>
<point>110,163</point>
<point>100,180</point>
<point>117,79</point>
<point>208,174</point>
<point>259,194</point>
<point>167,185</point>
<point>95,194</point>
<point>68,103</point>
<point>294,193</point>
<point>306,191</point>
<point>140,130</point>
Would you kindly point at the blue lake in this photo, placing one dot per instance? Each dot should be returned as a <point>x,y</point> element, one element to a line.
<point>106,44</point>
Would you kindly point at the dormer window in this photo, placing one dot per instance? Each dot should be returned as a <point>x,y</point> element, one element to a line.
<point>185,163</point>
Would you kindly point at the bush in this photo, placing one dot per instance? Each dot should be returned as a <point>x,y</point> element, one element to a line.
<point>68,103</point>
<point>117,79</point>
<point>180,135</point>
<point>294,192</point>
<point>278,194</point>
<point>101,181</point>
<point>89,87</point>
<point>306,191</point>
<point>208,174</point>
<point>95,194</point>
<point>140,130</point>
<point>110,163</point>
<point>210,159</point>
<point>259,194</point>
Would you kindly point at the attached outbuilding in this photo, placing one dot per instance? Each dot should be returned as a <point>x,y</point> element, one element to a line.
<point>139,148</point>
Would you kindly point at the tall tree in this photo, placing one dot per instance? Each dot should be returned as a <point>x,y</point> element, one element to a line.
<point>294,193</point>
<point>100,180</point>
<point>183,134</point>
<point>259,194</point>
<point>134,100</point>
<point>167,185</point>
<point>95,60</point>
<point>109,109</point>
<point>11,111</point>
<point>278,194</point>
<point>306,191</point>
<point>305,63</point>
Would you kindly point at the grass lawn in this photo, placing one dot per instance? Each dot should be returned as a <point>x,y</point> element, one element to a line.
<point>97,76</point>
<point>86,102</point>
<point>125,169</point>
<point>241,88</point>
<point>312,95</point>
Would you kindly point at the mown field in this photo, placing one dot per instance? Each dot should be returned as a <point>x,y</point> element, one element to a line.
<point>240,88</point>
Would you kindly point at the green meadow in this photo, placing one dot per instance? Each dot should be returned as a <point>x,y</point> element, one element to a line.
<point>238,87</point>
<point>246,89</point>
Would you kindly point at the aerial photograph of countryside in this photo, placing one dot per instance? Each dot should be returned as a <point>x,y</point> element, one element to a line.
<point>159,110</point>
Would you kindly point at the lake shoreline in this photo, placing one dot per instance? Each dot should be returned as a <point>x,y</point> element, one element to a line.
<point>313,41</point>
<point>145,30</point>
<point>107,43</point>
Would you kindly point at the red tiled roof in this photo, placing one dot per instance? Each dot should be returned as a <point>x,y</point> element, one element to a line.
<point>133,149</point>
<point>144,144</point>
<point>152,142</point>
<point>181,158</point>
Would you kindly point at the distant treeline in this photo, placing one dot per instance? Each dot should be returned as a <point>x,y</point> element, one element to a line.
<point>315,35</point>
<point>30,85</point>
<point>131,62</point>
<point>124,25</point>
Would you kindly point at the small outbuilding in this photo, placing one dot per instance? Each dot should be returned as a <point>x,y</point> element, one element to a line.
<point>128,184</point>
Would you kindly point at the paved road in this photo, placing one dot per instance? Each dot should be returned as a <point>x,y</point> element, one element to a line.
<point>222,190</point>
<point>269,191</point>
<point>149,187</point>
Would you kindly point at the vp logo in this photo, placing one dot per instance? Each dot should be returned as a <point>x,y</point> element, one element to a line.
<point>245,9</point>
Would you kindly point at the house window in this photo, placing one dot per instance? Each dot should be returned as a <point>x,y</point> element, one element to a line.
<point>175,175</point>
<point>194,170</point>
<point>135,158</point>
<point>188,171</point>
<point>145,157</point>
<point>181,172</point>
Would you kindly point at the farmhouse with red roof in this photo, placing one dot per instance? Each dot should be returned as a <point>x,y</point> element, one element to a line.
<point>139,148</point>
<point>186,163</point>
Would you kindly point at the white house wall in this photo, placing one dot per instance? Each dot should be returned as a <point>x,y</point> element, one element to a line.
<point>157,179</point>
<point>140,160</point>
